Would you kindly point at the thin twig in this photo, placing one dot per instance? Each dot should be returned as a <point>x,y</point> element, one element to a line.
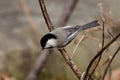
<point>101,12</point>
<point>109,57</point>
<point>45,14</point>
<point>99,58</point>
<point>100,52</point>
<point>30,20</point>
<point>110,33</point>
<point>103,34</point>
<point>107,67</point>
<point>81,39</point>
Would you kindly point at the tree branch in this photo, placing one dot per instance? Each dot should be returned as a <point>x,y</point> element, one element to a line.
<point>99,57</point>
<point>99,53</point>
<point>45,15</point>
<point>70,63</point>
<point>30,20</point>
<point>39,64</point>
<point>106,69</point>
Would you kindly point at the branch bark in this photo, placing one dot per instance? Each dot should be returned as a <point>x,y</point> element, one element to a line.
<point>45,15</point>
<point>99,57</point>
<point>70,63</point>
<point>99,53</point>
<point>108,66</point>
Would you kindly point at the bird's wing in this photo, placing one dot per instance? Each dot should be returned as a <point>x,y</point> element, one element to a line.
<point>70,37</point>
<point>71,28</point>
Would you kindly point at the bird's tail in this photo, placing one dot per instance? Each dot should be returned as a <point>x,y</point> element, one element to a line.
<point>90,25</point>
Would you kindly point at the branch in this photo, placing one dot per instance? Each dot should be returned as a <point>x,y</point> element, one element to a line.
<point>101,10</point>
<point>99,53</point>
<point>70,63</point>
<point>99,57</point>
<point>30,20</point>
<point>39,64</point>
<point>45,15</point>
<point>106,69</point>
<point>103,34</point>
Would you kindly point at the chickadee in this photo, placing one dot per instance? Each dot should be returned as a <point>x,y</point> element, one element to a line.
<point>62,36</point>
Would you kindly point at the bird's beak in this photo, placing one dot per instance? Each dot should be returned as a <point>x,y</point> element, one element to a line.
<point>43,48</point>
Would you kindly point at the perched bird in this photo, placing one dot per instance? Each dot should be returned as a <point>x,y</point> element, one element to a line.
<point>60,37</point>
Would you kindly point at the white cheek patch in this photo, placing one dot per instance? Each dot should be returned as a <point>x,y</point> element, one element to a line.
<point>51,42</point>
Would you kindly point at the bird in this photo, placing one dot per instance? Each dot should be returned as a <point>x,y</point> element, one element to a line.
<point>62,36</point>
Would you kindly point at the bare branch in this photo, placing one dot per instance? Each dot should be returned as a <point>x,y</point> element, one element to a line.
<point>45,14</point>
<point>80,40</point>
<point>30,20</point>
<point>39,64</point>
<point>103,34</point>
<point>99,58</point>
<point>106,69</point>
<point>99,53</point>
<point>70,63</point>
<point>110,34</point>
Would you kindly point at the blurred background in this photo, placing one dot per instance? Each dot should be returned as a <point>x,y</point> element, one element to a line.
<point>22,25</point>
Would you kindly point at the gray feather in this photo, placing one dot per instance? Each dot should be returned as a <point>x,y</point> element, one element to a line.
<point>90,25</point>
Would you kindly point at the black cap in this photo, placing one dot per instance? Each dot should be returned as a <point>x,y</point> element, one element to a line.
<point>45,38</point>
